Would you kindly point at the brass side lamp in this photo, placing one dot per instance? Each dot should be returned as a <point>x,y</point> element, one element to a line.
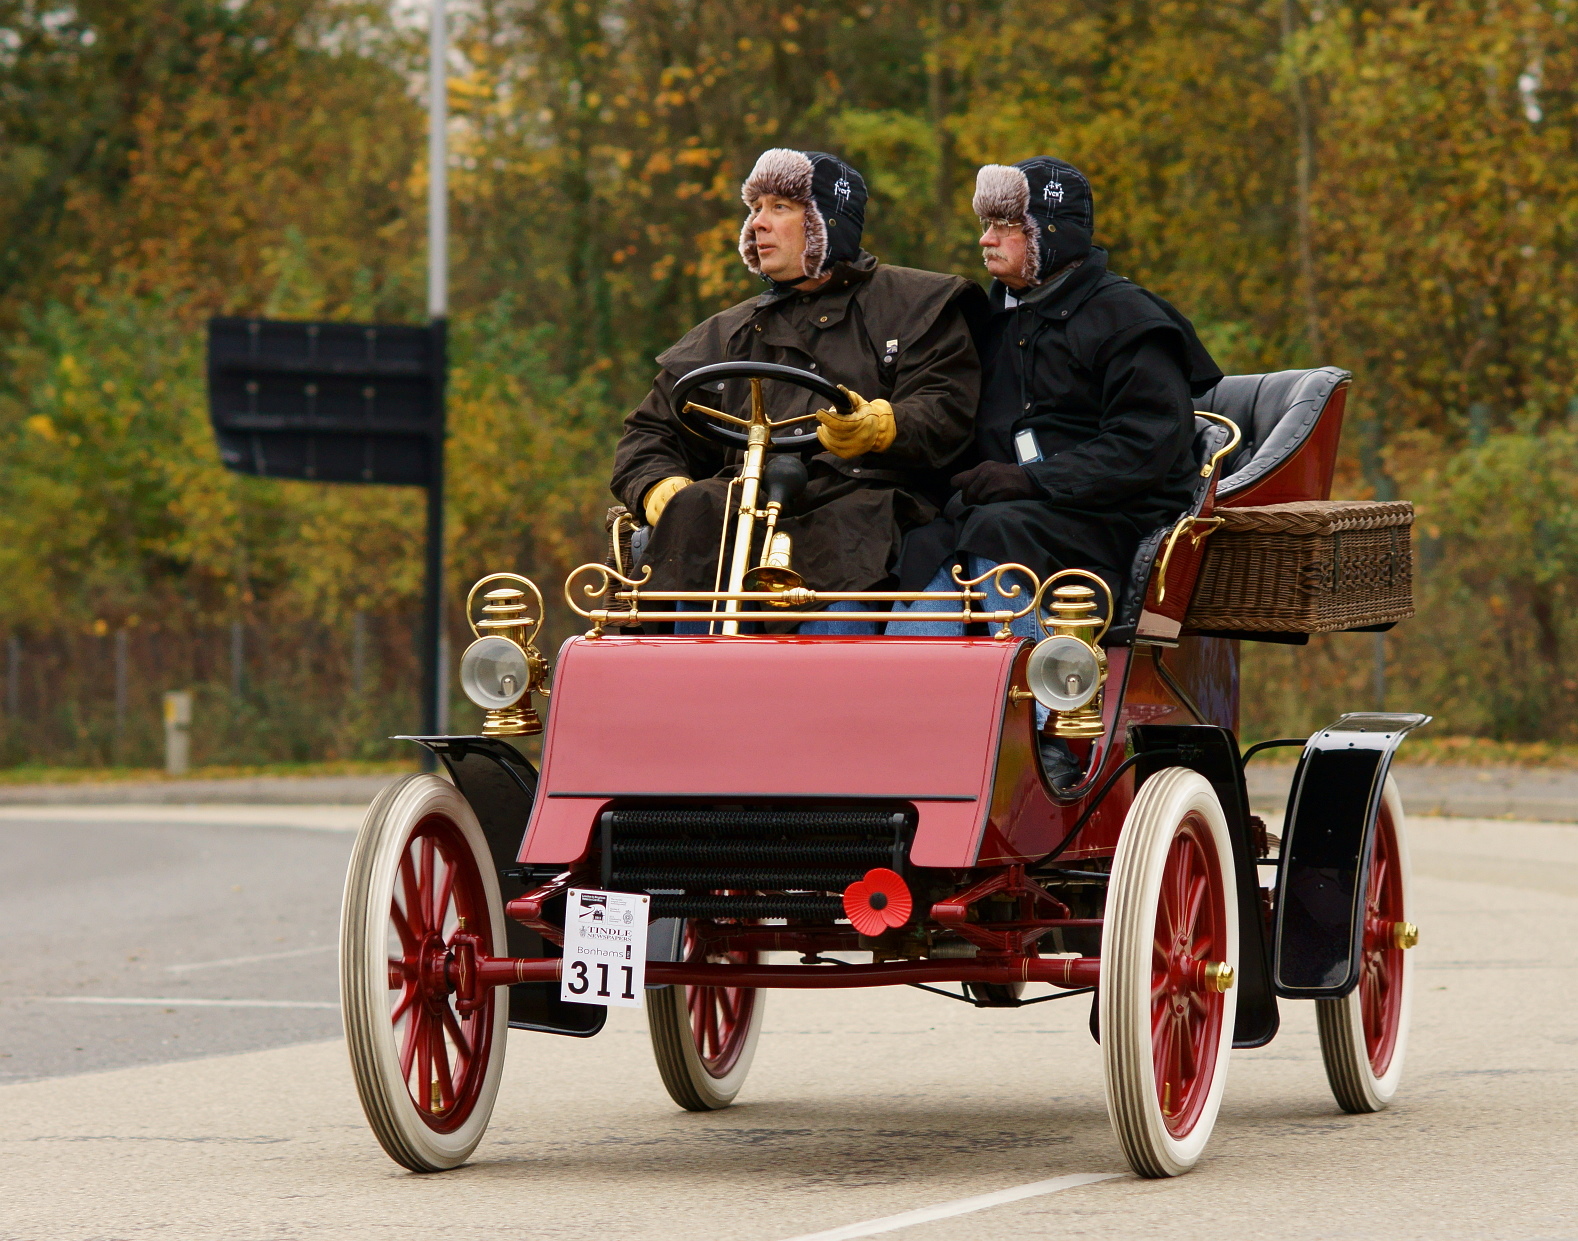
<point>1068,668</point>
<point>503,667</point>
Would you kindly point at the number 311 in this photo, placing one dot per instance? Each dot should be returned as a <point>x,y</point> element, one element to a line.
<point>580,983</point>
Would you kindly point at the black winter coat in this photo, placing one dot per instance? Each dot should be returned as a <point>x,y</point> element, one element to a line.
<point>1104,374</point>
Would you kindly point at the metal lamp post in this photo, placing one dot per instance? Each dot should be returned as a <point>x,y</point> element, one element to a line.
<point>355,402</point>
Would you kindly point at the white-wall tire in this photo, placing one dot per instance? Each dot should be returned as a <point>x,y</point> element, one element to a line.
<point>704,1038</point>
<point>1364,1035</point>
<point>1166,1033</point>
<point>420,865</point>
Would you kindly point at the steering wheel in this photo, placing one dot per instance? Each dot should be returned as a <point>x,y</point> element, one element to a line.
<point>732,432</point>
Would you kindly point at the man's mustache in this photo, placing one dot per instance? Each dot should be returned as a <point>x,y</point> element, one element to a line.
<point>988,253</point>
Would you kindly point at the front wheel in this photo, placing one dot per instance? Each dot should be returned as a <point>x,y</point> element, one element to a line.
<point>704,1038</point>
<point>1169,952</point>
<point>421,901</point>
<point>1363,1035</point>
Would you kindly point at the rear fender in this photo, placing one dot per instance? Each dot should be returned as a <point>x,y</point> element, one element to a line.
<point>501,785</point>
<point>1327,839</point>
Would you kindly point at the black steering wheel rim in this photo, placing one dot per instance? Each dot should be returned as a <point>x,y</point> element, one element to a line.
<point>802,435</point>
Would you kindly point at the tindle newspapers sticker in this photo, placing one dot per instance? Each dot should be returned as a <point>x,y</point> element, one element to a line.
<point>605,947</point>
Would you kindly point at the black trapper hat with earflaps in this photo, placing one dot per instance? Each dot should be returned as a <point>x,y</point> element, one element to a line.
<point>1050,199</point>
<point>834,197</point>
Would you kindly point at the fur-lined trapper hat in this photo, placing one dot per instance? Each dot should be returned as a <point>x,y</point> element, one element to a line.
<point>1050,199</point>
<point>834,197</point>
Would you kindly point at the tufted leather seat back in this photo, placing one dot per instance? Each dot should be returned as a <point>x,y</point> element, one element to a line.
<point>1276,413</point>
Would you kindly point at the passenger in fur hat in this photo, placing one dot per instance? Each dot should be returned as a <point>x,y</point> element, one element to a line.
<point>897,339</point>
<point>1083,443</point>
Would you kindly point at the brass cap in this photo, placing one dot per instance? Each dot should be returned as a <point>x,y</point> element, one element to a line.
<point>1405,934</point>
<point>1219,976</point>
<point>1074,611</point>
<point>504,610</point>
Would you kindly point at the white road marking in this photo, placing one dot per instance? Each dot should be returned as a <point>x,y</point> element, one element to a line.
<point>185,1002</point>
<point>266,956</point>
<point>961,1206</point>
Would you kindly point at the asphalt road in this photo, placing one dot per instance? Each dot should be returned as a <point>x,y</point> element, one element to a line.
<point>234,1117</point>
<point>139,903</point>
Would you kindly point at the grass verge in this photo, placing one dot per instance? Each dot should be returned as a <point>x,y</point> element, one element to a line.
<point>143,775</point>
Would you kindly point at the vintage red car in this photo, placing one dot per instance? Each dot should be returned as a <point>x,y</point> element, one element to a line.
<point>938,848</point>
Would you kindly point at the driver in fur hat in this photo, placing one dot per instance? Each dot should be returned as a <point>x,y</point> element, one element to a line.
<point>899,341</point>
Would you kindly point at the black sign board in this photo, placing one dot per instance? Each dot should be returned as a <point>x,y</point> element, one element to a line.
<point>340,403</point>
<point>328,402</point>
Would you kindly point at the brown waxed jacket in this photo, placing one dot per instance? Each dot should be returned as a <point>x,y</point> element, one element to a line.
<point>893,333</point>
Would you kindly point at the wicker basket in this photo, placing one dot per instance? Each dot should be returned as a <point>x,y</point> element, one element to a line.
<point>1308,567</point>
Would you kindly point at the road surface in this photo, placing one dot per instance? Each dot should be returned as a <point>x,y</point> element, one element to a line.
<point>153,1091</point>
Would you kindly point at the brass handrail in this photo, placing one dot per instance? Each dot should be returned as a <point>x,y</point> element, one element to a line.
<point>599,583</point>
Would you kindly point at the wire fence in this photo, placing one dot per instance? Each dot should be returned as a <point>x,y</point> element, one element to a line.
<point>262,692</point>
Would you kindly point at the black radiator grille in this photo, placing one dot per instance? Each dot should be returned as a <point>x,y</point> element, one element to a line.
<point>773,863</point>
<point>798,908</point>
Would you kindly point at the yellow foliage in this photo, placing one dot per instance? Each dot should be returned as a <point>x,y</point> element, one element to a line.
<point>270,160</point>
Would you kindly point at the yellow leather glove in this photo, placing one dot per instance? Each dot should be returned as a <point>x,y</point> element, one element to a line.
<point>659,494</point>
<point>869,427</point>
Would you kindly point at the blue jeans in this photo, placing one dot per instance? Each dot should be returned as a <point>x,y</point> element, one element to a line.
<point>976,566</point>
<point>843,628</point>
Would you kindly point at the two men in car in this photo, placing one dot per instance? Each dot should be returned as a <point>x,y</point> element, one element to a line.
<point>1048,423</point>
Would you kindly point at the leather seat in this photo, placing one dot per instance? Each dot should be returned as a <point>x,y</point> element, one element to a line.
<point>1276,414</point>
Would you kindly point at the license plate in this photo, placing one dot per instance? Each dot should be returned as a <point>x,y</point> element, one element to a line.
<point>605,947</point>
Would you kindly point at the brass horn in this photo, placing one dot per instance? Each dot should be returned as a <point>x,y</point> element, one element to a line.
<point>784,479</point>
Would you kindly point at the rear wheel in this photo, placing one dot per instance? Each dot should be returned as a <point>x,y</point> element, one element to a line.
<point>1363,1035</point>
<point>704,1038</point>
<point>1168,954</point>
<point>421,900</point>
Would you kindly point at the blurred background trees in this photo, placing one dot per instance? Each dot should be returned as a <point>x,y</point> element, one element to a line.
<point>1386,187</point>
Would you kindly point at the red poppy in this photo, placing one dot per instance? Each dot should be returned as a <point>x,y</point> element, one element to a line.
<point>877,902</point>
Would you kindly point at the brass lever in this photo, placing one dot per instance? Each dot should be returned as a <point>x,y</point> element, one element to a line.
<point>1238,438</point>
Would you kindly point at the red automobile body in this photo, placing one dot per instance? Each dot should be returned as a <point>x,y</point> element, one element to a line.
<point>930,722</point>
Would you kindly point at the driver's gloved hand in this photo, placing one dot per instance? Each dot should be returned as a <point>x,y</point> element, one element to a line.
<point>659,494</point>
<point>992,482</point>
<point>868,427</point>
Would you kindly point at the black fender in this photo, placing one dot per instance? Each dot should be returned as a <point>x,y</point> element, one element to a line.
<point>1327,839</point>
<point>1213,752</point>
<point>501,785</point>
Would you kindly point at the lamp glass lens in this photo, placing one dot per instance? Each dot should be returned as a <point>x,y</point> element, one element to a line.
<point>1063,673</point>
<point>493,673</point>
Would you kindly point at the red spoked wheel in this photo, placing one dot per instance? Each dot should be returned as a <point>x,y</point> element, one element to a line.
<point>704,1038</point>
<point>1168,957</point>
<point>1186,1015</point>
<point>421,903</point>
<point>1364,1035</point>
